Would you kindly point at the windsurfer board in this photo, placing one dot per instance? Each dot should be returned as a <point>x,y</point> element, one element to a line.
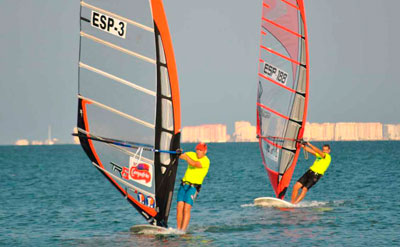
<point>148,229</point>
<point>151,230</point>
<point>272,202</point>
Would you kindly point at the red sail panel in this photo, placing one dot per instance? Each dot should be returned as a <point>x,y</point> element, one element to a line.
<point>282,88</point>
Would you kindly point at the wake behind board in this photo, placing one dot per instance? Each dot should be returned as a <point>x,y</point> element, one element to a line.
<point>148,229</point>
<point>153,230</point>
<point>272,202</point>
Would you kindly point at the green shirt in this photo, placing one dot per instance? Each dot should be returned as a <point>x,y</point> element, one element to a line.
<point>321,164</point>
<point>196,175</point>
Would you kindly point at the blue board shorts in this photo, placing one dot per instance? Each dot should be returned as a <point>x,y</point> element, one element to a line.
<point>187,194</point>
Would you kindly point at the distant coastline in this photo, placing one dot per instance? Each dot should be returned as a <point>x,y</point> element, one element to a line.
<point>341,131</point>
<point>245,132</point>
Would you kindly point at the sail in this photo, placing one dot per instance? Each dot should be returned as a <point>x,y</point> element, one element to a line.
<point>128,101</point>
<point>282,88</point>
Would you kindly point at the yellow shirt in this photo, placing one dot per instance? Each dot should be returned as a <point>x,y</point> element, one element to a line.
<point>321,164</point>
<point>193,174</point>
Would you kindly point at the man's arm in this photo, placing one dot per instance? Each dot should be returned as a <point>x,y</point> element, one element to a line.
<point>316,150</point>
<point>310,150</point>
<point>190,161</point>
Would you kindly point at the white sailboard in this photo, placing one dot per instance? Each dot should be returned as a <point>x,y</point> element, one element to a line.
<point>272,202</point>
<point>154,230</point>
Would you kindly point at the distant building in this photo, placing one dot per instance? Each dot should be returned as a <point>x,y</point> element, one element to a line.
<point>346,132</point>
<point>342,131</point>
<point>245,132</point>
<point>319,132</point>
<point>205,133</point>
<point>349,131</point>
<point>48,142</point>
<point>22,142</point>
<point>391,131</point>
<point>370,131</point>
<point>75,138</point>
<point>35,142</point>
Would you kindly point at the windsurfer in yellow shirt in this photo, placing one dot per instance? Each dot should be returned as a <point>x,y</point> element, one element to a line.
<point>316,171</point>
<point>198,164</point>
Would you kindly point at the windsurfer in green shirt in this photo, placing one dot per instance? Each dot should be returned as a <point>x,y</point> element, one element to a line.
<point>198,164</point>
<point>316,171</point>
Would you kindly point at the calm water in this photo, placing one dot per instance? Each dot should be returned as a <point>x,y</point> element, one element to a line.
<point>52,196</point>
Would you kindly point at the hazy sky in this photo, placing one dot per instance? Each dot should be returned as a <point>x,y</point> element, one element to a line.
<point>354,57</point>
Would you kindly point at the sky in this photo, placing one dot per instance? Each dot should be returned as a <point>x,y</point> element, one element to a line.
<point>353,48</point>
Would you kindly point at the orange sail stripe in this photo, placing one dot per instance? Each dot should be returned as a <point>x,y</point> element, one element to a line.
<point>291,4</point>
<point>160,20</point>
<point>281,27</point>
<point>273,111</point>
<point>282,56</point>
<point>266,5</point>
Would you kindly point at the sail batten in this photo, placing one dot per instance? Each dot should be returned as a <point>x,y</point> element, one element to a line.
<point>282,89</point>
<point>144,123</point>
<point>282,27</point>
<point>277,83</point>
<point>291,4</point>
<point>281,55</point>
<point>116,47</point>
<point>115,78</point>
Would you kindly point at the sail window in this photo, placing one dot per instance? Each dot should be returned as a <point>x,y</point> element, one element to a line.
<point>165,88</point>
<point>167,118</point>
<point>165,145</point>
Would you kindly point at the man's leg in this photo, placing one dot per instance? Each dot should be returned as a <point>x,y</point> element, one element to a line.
<point>302,195</point>
<point>186,216</point>
<point>296,188</point>
<point>179,214</point>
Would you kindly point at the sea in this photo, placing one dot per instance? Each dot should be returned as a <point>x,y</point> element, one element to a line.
<point>53,196</point>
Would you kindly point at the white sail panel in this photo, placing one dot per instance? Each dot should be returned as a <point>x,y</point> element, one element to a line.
<point>128,115</point>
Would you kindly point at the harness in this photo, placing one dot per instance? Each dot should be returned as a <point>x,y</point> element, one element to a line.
<point>196,186</point>
<point>315,173</point>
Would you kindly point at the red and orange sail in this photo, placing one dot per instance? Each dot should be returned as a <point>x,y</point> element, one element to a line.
<point>129,94</point>
<point>282,88</point>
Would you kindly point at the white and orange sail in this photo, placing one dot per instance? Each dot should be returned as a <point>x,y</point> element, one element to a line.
<point>129,106</point>
<point>282,97</point>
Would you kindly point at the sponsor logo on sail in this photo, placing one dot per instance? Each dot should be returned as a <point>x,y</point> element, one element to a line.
<point>146,200</point>
<point>140,172</point>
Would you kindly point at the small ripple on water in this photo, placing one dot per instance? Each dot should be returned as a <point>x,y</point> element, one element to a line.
<point>304,204</point>
<point>230,228</point>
